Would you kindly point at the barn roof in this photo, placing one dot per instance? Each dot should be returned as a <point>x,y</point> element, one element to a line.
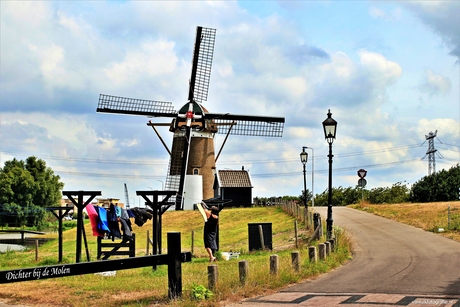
<point>234,179</point>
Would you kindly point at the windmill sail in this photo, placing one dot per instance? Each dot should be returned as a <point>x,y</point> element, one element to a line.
<point>248,125</point>
<point>202,64</point>
<point>132,106</point>
<point>193,126</point>
<point>198,92</point>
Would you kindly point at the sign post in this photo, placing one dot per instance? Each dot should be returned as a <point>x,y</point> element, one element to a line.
<point>362,183</point>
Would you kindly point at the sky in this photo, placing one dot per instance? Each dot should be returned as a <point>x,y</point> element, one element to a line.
<point>387,70</point>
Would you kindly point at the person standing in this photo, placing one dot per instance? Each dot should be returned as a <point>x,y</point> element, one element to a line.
<point>210,232</point>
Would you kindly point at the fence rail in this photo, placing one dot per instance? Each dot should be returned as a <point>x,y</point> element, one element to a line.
<point>173,259</point>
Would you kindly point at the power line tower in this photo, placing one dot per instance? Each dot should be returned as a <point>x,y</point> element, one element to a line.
<point>431,152</point>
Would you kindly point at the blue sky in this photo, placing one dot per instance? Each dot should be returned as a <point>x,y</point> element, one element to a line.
<point>388,70</point>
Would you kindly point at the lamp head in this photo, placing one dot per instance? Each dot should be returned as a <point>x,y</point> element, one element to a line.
<point>330,127</point>
<point>303,156</point>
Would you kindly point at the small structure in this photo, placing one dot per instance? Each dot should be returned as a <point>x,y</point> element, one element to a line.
<point>235,185</point>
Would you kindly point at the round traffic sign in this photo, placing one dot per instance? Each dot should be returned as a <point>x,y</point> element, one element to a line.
<point>362,182</point>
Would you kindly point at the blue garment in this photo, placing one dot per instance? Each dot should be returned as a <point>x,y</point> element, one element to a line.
<point>130,213</point>
<point>118,211</point>
<point>102,224</point>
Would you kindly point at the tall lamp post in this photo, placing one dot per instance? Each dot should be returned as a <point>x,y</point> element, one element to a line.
<point>330,127</point>
<point>303,159</point>
<point>312,176</point>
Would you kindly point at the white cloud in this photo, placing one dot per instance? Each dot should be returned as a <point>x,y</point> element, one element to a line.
<point>445,126</point>
<point>384,72</point>
<point>152,58</point>
<point>434,83</point>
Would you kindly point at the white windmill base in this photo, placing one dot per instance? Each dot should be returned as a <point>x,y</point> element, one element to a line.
<point>193,191</point>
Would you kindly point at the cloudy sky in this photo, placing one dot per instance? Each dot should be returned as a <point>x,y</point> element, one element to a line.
<point>388,70</point>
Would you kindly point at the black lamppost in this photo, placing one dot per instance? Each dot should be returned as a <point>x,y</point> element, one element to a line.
<point>330,127</point>
<point>303,159</point>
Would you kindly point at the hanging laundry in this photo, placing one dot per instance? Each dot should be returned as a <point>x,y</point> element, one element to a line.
<point>113,223</point>
<point>102,223</point>
<point>126,225</point>
<point>141,215</point>
<point>93,217</point>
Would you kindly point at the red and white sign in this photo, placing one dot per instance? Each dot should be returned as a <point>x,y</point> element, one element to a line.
<point>362,173</point>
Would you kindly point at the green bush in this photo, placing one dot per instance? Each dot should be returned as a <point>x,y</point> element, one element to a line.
<point>200,292</point>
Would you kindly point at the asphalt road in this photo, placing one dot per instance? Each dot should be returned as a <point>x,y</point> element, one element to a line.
<point>390,257</point>
<point>393,264</point>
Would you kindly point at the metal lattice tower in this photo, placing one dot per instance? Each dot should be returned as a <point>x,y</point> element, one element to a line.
<point>430,152</point>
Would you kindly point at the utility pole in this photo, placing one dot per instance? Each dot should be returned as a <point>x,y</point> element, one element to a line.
<point>431,152</point>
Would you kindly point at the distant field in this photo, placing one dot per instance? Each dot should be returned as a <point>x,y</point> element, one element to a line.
<point>432,217</point>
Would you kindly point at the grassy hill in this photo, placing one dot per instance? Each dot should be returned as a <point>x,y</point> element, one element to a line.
<point>145,287</point>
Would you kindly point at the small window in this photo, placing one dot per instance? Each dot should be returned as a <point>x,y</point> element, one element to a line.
<point>195,171</point>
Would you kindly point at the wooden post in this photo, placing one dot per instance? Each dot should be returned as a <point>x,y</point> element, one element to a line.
<point>296,234</point>
<point>193,242</point>
<point>213,275</point>
<point>312,254</point>
<point>305,217</point>
<point>148,243</point>
<point>261,235</point>
<point>332,245</point>
<point>132,246</point>
<point>243,268</point>
<point>85,241</point>
<point>274,263</point>
<point>36,250</point>
<point>322,251</point>
<point>328,248</point>
<point>295,257</point>
<point>99,247</point>
<point>174,266</point>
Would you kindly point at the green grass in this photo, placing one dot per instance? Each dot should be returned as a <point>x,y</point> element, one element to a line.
<point>144,287</point>
<point>427,216</point>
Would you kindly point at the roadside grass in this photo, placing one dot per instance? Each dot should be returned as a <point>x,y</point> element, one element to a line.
<point>427,216</point>
<point>145,287</point>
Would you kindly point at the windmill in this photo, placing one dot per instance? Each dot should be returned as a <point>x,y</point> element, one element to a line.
<point>192,163</point>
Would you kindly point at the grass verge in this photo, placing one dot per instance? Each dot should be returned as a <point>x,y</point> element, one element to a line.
<point>438,217</point>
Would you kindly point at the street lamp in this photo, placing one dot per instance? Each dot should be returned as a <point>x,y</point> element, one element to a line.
<point>303,159</point>
<point>162,184</point>
<point>312,176</point>
<point>330,127</point>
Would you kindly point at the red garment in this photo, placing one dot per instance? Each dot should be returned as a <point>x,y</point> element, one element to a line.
<point>93,219</point>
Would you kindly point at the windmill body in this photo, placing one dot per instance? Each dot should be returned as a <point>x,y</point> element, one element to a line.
<point>192,163</point>
<point>200,165</point>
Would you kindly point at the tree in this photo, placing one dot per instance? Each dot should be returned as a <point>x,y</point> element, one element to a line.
<point>26,188</point>
<point>440,186</point>
<point>398,193</point>
<point>305,197</point>
<point>47,184</point>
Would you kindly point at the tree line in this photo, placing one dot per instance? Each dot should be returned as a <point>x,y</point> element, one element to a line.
<point>440,186</point>
<point>28,187</point>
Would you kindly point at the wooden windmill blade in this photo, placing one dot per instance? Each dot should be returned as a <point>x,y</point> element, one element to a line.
<point>198,92</point>
<point>132,106</point>
<point>249,125</point>
<point>201,64</point>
